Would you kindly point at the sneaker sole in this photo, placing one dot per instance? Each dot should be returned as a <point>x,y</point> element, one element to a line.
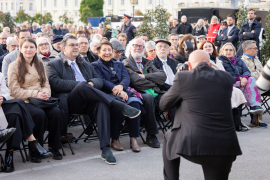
<point>134,116</point>
<point>107,161</point>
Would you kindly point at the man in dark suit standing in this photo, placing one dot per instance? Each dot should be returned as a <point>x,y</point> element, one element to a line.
<point>203,130</point>
<point>184,27</point>
<point>250,30</point>
<point>229,34</point>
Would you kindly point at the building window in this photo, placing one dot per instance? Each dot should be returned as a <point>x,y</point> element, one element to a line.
<point>30,6</point>
<point>76,2</point>
<point>21,5</point>
<point>45,3</point>
<point>12,6</point>
<point>66,2</point>
<point>1,6</point>
<point>76,14</point>
<point>149,1</point>
<point>122,2</point>
<point>109,2</point>
<point>6,6</point>
<point>55,3</point>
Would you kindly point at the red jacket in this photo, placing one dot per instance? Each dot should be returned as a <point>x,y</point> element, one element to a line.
<point>213,31</point>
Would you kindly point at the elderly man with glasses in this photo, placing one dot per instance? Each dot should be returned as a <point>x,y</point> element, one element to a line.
<point>3,41</point>
<point>117,51</point>
<point>146,79</point>
<point>12,44</point>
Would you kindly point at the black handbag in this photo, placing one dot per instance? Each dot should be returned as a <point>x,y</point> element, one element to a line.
<point>41,103</point>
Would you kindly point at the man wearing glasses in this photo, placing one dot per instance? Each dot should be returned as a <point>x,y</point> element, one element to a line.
<point>146,79</point>
<point>12,44</point>
<point>84,47</point>
<point>3,41</point>
<point>117,51</point>
<point>128,28</point>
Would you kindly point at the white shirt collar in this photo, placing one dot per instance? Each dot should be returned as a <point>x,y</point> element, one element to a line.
<point>69,62</point>
<point>162,60</point>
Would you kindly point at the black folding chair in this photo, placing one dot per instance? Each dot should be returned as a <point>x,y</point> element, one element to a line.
<point>265,97</point>
<point>26,158</point>
<point>247,108</point>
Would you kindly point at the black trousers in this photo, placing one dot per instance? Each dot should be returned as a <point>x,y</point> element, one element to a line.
<point>117,119</point>
<point>51,119</point>
<point>85,99</point>
<point>149,117</point>
<point>214,167</point>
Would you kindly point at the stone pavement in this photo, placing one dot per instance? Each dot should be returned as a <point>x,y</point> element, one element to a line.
<point>86,164</point>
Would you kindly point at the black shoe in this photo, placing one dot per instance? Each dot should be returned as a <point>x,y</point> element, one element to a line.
<point>37,152</point>
<point>131,112</point>
<point>5,134</point>
<point>9,166</point>
<point>56,154</point>
<point>151,140</point>
<point>108,157</point>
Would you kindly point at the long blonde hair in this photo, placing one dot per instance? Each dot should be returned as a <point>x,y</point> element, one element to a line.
<point>205,30</point>
<point>216,19</point>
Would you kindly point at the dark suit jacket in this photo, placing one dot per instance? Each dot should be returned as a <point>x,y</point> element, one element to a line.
<point>256,26</point>
<point>63,81</point>
<point>203,123</point>
<point>171,62</point>
<point>105,74</point>
<point>153,77</point>
<point>224,39</point>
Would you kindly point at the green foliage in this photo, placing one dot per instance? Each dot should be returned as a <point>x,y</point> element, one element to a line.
<point>90,8</point>
<point>42,19</point>
<point>161,17</point>
<point>21,17</point>
<point>241,15</point>
<point>146,26</point>
<point>265,50</point>
<point>138,13</point>
<point>7,21</point>
<point>65,19</point>
<point>106,22</point>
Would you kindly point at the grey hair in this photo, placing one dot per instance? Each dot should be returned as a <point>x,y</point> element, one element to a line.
<point>48,25</point>
<point>113,39</point>
<point>9,39</point>
<point>150,44</point>
<point>97,36</point>
<point>38,42</point>
<point>7,28</point>
<point>247,44</point>
<point>94,41</point>
<point>64,41</point>
<point>128,46</point>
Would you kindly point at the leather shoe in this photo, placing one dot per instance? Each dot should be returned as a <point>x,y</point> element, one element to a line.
<point>134,145</point>
<point>151,140</point>
<point>115,144</point>
<point>131,112</point>
<point>56,154</point>
<point>9,166</point>
<point>5,134</point>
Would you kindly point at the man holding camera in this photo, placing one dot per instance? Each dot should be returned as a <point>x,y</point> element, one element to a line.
<point>203,131</point>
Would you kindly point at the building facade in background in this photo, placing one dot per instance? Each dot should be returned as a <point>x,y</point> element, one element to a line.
<point>13,6</point>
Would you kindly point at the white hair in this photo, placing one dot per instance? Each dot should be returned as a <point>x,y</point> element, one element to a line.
<point>113,39</point>
<point>94,41</point>
<point>150,44</point>
<point>6,28</point>
<point>38,42</point>
<point>205,30</point>
<point>97,36</point>
<point>48,25</point>
<point>35,24</point>
<point>9,39</point>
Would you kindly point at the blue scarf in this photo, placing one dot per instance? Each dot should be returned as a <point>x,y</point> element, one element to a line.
<point>252,57</point>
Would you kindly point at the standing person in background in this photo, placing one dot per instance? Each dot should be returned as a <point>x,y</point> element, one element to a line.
<point>108,32</point>
<point>65,30</point>
<point>36,29</point>
<point>12,44</point>
<point>217,43</point>
<point>184,27</point>
<point>28,26</point>
<point>128,28</point>
<point>173,29</point>
<point>213,29</point>
<point>173,38</point>
<point>206,24</point>
<point>199,28</point>
<point>144,37</point>
<point>48,30</point>
<point>3,41</point>
<point>7,30</point>
<point>69,26</point>
<point>57,30</point>
<point>72,31</point>
<point>100,30</point>
<point>250,30</point>
<point>89,26</point>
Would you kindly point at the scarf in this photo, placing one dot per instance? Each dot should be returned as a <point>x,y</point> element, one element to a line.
<point>56,50</point>
<point>150,57</point>
<point>233,60</point>
<point>213,58</point>
<point>4,46</point>
<point>252,57</point>
<point>198,28</point>
<point>108,64</point>
<point>46,55</point>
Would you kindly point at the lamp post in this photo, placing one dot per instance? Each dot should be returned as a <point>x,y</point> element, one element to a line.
<point>133,2</point>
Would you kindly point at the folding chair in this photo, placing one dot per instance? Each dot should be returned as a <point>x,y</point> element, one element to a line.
<point>23,148</point>
<point>247,108</point>
<point>265,97</point>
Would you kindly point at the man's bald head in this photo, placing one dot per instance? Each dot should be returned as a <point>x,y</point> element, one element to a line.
<point>197,57</point>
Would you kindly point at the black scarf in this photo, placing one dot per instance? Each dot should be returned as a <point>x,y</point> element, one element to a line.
<point>4,46</point>
<point>108,64</point>
<point>213,58</point>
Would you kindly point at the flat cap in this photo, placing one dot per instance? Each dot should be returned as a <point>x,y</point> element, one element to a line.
<point>163,40</point>
<point>117,46</point>
<point>57,38</point>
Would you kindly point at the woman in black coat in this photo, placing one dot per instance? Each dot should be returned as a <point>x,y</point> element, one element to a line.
<point>108,32</point>
<point>199,29</point>
<point>182,57</point>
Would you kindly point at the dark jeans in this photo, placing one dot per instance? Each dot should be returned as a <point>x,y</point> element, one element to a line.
<point>52,119</point>
<point>214,167</point>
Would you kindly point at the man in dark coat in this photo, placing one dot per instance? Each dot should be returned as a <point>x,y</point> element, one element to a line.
<point>203,131</point>
<point>146,79</point>
<point>3,41</point>
<point>128,28</point>
<point>173,29</point>
<point>229,34</point>
<point>250,30</point>
<point>75,82</point>
<point>57,30</point>
<point>184,27</point>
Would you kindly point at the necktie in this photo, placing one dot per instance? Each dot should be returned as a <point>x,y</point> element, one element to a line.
<point>141,68</point>
<point>169,73</point>
<point>77,74</point>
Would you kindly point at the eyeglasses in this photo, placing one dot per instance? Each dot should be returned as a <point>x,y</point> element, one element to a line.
<point>160,47</point>
<point>136,45</point>
<point>117,52</point>
<point>83,43</point>
<point>254,48</point>
<point>231,50</point>
<point>73,45</point>
<point>45,44</point>
<point>153,50</point>
<point>15,46</point>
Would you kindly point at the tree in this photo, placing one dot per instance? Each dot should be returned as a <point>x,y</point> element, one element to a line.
<point>90,8</point>
<point>42,19</point>
<point>241,15</point>
<point>161,17</point>
<point>265,50</point>
<point>21,17</point>
<point>7,21</point>
<point>139,13</point>
<point>64,18</point>
<point>146,26</point>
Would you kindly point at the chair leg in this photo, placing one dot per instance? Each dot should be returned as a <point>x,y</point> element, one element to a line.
<point>22,155</point>
<point>24,149</point>
<point>64,154</point>
<point>70,146</point>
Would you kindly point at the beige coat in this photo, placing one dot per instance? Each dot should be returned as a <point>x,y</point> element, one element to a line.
<point>5,93</point>
<point>50,32</point>
<point>251,66</point>
<point>31,86</point>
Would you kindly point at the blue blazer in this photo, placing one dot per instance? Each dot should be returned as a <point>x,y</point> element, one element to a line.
<point>224,39</point>
<point>105,74</point>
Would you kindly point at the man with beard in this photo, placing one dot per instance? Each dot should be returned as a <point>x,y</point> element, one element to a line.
<point>56,44</point>
<point>3,41</point>
<point>229,34</point>
<point>146,79</point>
<point>250,30</point>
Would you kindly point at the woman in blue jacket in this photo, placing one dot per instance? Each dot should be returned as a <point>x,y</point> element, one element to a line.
<point>241,75</point>
<point>116,83</point>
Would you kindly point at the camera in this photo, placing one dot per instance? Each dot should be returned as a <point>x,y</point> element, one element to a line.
<point>188,47</point>
<point>182,67</point>
<point>263,82</point>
